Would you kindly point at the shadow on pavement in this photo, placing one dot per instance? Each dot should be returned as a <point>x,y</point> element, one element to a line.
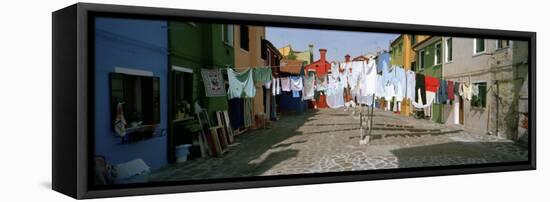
<point>253,153</point>
<point>459,153</point>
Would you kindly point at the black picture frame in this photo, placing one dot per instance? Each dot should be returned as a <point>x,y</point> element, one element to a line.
<point>72,83</point>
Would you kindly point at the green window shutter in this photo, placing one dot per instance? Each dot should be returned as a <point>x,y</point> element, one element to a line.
<point>483,95</point>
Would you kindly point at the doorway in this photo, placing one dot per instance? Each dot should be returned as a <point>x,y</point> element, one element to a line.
<point>180,109</point>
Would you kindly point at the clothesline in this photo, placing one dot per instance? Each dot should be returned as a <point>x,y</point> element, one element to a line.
<point>241,68</point>
<point>395,83</point>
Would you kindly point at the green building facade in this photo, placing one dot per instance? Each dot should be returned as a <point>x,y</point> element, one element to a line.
<point>196,46</point>
<point>431,65</point>
<point>396,52</point>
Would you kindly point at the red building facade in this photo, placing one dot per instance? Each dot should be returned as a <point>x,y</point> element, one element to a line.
<point>321,68</point>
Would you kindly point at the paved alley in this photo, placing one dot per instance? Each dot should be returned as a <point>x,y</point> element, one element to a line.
<point>328,141</point>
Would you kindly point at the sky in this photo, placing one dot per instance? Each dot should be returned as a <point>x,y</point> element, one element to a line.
<point>337,43</point>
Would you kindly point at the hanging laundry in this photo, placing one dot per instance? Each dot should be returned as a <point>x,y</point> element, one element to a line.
<point>389,91</point>
<point>262,74</point>
<point>411,82</point>
<point>367,82</point>
<point>276,86</point>
<point>296,83</point>
<point>335,92</point>
<point>366,100</point>
<point>334,69</point>
<point>461,89</point>
<point>285,84</point>
<point>467,91</point>
<point>456,89</point>
<point>388,75</point>
<point>308,90</point>
<point>214,85</point>
<point>380,90</point>
<point>430,97</point>
<point>321,82</point>
<point>267,85</point>
<point>420,88</point>
<point>442,92</point>
<point>241,84</point>
<point>432,83</point>
<point>274,108</point>
<point>295,94</point>
<point>356,70</point>
<point>236,112</point>
<point>345,73</point>
<point>399,82</point>
<point>450,90</point>
<point>345,76</point>
<point>383,62</point>
<point>475,89</point>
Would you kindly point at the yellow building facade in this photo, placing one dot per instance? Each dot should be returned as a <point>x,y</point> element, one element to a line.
<point>403,55</point>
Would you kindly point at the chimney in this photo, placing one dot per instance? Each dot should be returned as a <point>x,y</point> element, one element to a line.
<point>347,57</point>
<point>323,54</point>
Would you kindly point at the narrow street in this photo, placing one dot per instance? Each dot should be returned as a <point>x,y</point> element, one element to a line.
<point>328,141</point>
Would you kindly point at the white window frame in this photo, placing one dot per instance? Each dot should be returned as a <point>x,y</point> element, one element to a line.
<point>436,61</point>
<point>182,69</point>
<point>448,52</point>
<point>132,71</point>
<point>230,30</point>
<point>475,46</point>
<point>486,95</point>
<point>421,60</point>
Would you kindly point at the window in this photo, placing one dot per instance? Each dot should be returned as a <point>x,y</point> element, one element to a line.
<point>183,92</point>
<point>479,100</point>
<point>139,96</point>
<point>244,37</point>
<point>479,46</point>
<point>421,59</point>
<point>503,44</point>
<point>264,50</point>
<point>449,50</point>
<point>413,39</point>
<point>227,34</point>
<point>437,55</point>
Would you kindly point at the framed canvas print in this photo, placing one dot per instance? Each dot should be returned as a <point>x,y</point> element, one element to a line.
<point>157,100</point>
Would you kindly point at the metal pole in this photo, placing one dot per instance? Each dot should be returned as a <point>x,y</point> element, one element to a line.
<point>371,115</point>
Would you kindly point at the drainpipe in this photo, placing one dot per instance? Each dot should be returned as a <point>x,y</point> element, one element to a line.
<point>497,100</point>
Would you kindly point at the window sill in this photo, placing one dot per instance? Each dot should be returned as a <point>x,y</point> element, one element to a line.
<point>480,53</point>
<point>243,50</point>
<point>227,44</point>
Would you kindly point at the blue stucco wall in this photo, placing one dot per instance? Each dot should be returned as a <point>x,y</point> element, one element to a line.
<point>135,44</point>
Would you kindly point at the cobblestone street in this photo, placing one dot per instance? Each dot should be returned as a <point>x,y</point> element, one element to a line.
<point>328,141</point>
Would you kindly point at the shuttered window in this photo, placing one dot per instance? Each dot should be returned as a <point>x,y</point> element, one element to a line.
<point>480,100</point>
